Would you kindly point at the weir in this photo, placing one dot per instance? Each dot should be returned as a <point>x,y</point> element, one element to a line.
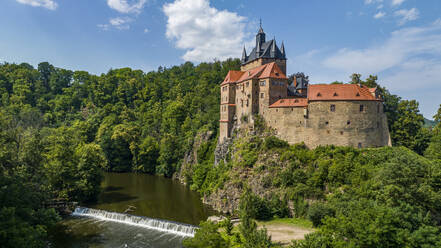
<point>150,223</point>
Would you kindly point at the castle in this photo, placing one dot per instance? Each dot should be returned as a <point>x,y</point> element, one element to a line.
<point>316,114</point>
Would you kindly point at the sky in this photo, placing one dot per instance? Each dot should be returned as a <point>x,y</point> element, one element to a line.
<point>397,40</point>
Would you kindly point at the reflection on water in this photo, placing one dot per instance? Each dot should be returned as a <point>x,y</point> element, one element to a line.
<point>150,196</point>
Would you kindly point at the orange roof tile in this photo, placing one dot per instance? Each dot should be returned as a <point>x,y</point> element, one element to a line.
<point>329,92</point>
<point>272,70</point>
<point>290,102</point>
<point>264,71</point>
<point>232,77</point>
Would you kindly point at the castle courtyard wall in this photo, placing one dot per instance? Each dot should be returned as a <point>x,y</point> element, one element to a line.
<point>345,126</point>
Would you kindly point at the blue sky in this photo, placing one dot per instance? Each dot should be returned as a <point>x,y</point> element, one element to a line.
<point>398,40</point>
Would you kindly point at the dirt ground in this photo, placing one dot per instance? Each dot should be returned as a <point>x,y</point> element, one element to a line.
<point>284,233</point>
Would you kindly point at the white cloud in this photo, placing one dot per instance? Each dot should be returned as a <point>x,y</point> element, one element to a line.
<point>402,45</point>
<point>121,23</point>
<point>407,15</point>
<point>146,30</point>
<point>203,31</point>
<point>127,6</point>
<point>408,63</point>
<point>48,4</point>
<point>379,15</point>
<point>397,2</point>
<point>372,1</point>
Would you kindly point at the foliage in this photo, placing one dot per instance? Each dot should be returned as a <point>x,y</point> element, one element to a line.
<point>317,213</point>
<point>207,236</point>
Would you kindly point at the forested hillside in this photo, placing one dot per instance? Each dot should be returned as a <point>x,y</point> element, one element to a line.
<point>59,130</point>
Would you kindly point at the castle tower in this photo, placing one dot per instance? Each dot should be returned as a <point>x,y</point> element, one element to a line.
<point>264,52</point>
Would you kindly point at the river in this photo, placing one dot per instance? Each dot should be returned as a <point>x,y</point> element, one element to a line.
<point>145,195</point>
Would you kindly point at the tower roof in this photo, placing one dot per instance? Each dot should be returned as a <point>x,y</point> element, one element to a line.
<point>264,49</point>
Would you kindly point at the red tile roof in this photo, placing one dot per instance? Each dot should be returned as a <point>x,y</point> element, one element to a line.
<point>271,70</point>
<point>330,92</point>
<point>232,77</point>
<point>290,102</point>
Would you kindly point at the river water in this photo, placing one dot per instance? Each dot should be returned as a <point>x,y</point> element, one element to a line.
<point>144,195</point>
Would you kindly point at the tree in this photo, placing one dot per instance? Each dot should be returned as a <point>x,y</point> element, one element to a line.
<point>408,127</point>
<point>207,236</point>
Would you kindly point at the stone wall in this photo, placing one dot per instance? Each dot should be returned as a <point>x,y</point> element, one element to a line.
<point>262,61</point>
<point>345,126</point>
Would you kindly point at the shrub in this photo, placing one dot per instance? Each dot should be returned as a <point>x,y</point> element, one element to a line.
<point>318,211</point>
<point>274,142</point>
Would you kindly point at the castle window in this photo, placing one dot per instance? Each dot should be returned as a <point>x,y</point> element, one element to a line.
<point>348,122</point>
<point>359,146</point>
<point>327,123</point>
<point>332,108</point>
<point>361,108</point>
<point>262,95</point>
<point>262,83</point>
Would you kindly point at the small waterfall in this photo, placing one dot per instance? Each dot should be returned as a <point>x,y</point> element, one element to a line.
<point>156,224</point>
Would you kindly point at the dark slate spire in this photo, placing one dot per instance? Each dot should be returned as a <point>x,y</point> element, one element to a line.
<point>273,48</point>
<point>244,54</point>
<point>282,50</point>
<point>261,29</point>
<point>260,39</point>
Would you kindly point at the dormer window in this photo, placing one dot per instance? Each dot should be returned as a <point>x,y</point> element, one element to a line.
<point>358,94</point>
<point>277,74</point>
<point>318,94</point>
<point>335,94</point>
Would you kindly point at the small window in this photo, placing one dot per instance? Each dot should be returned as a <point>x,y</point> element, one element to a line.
<point>332,108</point>
<point>277,74</point>
<point>335,94</point>
<point>318,94</point>
<point>262,95</point>
<point>327,123</point>
<point>360,145</point>
<point>361,108</point>
<point>262,83</point>
<point>341,132</point>
<point>358,94</point>
<point>348,122</point>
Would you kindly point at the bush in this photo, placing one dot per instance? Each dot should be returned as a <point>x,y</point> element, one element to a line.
<point>318,211</point>
<point>274,142</point>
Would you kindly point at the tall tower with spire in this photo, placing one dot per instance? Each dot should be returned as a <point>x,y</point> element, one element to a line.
<point>263,53</point>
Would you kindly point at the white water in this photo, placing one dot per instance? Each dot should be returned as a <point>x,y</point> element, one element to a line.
<point>156,224</point>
